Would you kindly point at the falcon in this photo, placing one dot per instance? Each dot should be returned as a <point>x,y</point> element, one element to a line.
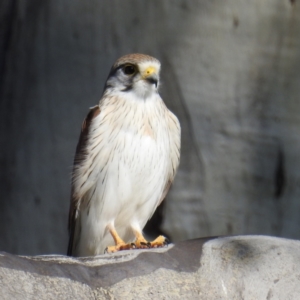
<point>125,162</point>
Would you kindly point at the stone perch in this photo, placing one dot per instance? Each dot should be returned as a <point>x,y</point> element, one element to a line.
<point>238,267</point>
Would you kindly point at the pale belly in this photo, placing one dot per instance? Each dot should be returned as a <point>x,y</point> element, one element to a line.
<point>128,192</point>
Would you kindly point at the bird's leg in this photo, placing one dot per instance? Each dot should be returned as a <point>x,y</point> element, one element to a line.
<point>142,243</point>
<point>120,244</point>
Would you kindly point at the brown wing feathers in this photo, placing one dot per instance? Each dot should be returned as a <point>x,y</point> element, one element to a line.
<point>79,157</point>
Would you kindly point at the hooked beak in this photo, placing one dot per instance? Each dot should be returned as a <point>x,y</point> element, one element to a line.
<point>151,75</point>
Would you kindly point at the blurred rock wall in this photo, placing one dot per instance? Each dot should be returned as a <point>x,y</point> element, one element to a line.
<point>230,73</point>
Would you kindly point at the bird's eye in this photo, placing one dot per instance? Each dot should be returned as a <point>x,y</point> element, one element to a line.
<point>129,70</point>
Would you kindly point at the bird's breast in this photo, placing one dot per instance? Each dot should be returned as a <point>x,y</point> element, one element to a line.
<point>130,152</point>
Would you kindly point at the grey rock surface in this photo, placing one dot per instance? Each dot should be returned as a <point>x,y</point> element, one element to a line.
<point>240,267</point>
<point>230,72</point>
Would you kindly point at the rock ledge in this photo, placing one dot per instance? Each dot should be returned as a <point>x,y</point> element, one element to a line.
<point>238,267</point>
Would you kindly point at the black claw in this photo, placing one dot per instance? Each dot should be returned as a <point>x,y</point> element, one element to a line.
<point>146,244</point>
<point>106,249</point>
<point>166,241</point>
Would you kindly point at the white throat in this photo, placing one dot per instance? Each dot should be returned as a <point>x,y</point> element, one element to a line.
<point>143,89</point>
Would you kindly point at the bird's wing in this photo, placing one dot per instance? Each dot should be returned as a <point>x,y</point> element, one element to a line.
<point>79,160</point>
<point>174,140</point>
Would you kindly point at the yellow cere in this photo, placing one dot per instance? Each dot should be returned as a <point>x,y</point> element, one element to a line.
<point>149,71</point>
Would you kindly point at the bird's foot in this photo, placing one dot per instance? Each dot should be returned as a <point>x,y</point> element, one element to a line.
<point>119,247</point>
<point>141,243</point>
<point>160,241</point>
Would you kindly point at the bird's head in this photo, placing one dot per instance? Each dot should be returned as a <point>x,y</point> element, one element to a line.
<point>134,73</point>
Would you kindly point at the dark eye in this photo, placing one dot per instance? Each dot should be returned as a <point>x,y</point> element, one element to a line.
<point>129,70</point>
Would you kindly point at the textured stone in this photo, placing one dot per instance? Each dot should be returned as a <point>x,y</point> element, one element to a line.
<point>241,267</point>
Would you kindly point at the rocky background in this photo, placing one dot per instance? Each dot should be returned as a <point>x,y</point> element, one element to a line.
<point>230,73</point>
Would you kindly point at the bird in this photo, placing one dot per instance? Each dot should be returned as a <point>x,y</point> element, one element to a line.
<point>125,161</point>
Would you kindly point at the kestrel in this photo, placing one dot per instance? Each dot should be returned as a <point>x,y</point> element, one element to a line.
<point>125,161</point>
